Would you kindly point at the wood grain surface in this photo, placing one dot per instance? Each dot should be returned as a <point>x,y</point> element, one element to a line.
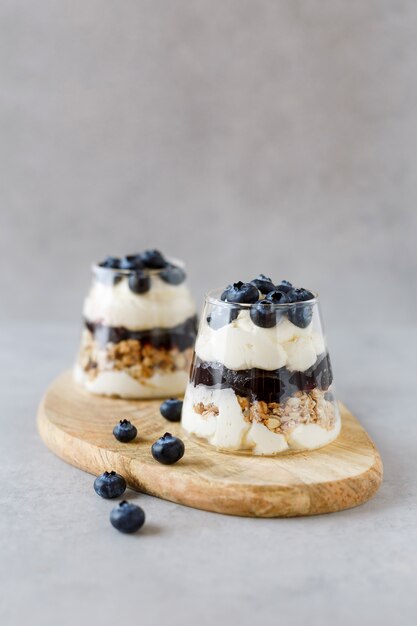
<point>78,427</point>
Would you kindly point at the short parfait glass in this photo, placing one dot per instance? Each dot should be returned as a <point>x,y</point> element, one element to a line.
<point>139,331</point>
<point>261,390</point>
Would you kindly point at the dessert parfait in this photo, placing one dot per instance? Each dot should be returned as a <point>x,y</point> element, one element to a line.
<point>139,328</point>
<point>261,379</point>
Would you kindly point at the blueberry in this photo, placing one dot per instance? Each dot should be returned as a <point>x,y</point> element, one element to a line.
<point>110,261</point>
<point>244,293</point>
<point>132,262</point>
<point>263,283</point>
<point>127,517</point>
<point>153,259</point>
<point>301,314</point>
<point>221,315</point>
<point>299,295</point>
<point>263,314</point>
<point>284,286</point>
<point>173,275</point>
<point>171,409</point>
<point>168,449</point>
<point>109,485</point>
<point>124,431</point>
<point>276,297</point>
<point>139,282</point>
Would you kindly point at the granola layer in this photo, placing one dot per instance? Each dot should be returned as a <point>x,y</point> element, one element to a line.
<point>139,360</point>
<point>315,407</point>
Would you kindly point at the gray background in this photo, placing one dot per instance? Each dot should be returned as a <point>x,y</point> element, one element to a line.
<point>240,135</point>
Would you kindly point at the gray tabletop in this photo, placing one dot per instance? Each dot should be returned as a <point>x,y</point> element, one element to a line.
<point>63,564</point>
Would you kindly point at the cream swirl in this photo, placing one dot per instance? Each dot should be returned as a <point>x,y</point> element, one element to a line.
<point>163,306</point>
<point>243,345</point>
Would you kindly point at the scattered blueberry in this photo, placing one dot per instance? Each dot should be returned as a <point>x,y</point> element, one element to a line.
<point>111,262</point>
<point>171,409</point>
<point>277,297</point>
<point>221,315</point>
<point>284,286</point>
<point>109,485</point>
<point>263,283</point>
<point>299,295</point>
<point>124,431</point>
<point>263,314</point>
<point>168,449</point>
<point>127,517</point>
<point>243,293</point>
<point>139,282</point>
<point>153,259</point>
<point>173,275</point>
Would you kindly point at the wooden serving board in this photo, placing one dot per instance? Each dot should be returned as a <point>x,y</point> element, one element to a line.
<point>78,427</point>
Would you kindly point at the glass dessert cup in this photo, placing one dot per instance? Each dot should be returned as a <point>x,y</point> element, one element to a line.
<point>139,332</point>
<point>261,390</point>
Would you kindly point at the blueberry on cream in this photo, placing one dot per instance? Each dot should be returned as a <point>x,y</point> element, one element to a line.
<point>139,282</point>
<point>153,259</point>
<point>263,283</point>
<point>243,293</point>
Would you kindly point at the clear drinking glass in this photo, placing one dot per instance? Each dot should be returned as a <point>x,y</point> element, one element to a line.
<point>262,391</point>
<point>139,332</point>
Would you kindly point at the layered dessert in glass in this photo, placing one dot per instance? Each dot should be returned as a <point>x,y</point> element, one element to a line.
<point>261,381</point>
<point>139,328</point>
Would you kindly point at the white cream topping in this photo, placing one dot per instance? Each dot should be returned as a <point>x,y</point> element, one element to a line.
<point>163,306</point>
<point>264,441</point>
<point>311,436</point>
<point>243,345</point>
<point>301,353</point>
<point>119,383</point>
<point>230,431</point>
<point>225,430</point>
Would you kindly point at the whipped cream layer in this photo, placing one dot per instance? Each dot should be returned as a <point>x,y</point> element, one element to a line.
<point>243,345</point>
<point>119,383</point>
<point>163,306</point>
<point>227,429</point>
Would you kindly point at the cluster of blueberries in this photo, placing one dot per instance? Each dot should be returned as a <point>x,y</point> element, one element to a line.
<point>264,295</point>
<point>138,266</point>
<point>128,517</point>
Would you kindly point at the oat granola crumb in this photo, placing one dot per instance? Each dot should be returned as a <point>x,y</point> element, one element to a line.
<point>301,408</point>
<point>205,410</point>
<point>140,362</point>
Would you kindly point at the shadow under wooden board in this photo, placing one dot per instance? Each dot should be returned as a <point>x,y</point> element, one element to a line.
<point>78,427</point>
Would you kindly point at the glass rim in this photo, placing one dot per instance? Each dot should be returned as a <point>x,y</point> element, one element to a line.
<point>97,268</point>
<point>213,297</point>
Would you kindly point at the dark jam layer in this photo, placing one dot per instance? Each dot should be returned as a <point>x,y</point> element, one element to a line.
<point>266,385</point>
<point>180,337</point>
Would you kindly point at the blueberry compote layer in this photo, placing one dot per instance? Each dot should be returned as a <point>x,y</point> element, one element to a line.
<point>181,336</point>
<point>263,385</point>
